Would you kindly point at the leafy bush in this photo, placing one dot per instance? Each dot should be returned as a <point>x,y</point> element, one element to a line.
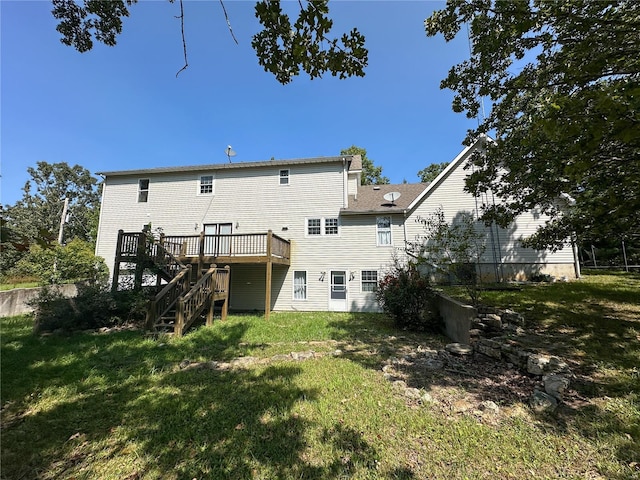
<point>408,298</point>
<point>93,307</point>
<point>74,261</point>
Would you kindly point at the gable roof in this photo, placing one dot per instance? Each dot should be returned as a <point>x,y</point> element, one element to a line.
<point>370,198</point>
<point>355,163</point>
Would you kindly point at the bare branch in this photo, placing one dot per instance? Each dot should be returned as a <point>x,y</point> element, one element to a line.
<point>184,42</point>
<point>228,22</point>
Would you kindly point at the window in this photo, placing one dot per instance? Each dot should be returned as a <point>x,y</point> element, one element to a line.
<point>143,190</point>
<point>206,185</point>
<point>284,177</point>
<point>313,226</point>
<point>369,280</point>
<point>383,226</point>
<point>322,226</point>
<point>299,285</point>
<point>331,226</point>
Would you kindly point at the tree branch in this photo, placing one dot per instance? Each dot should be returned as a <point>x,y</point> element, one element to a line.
<point>184,42</point>
<point>228,22</point>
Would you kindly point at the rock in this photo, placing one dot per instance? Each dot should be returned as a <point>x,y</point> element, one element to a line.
<point>541,402</point>
<point>475,332</point>
<point>492,321</point>
<point>413,393</point>
<point>184,364</point>
<point>387,369</point>
<point>557,365</point>
<point>427,398</point>
<point>488,351</point>
<point>432,364</point>
<point>459,348</point>
<point>513,317</point>
<point>555,385</point>
<point>536,364</point>
<point>281,357</point>
<point>399,384</point>
<point>336,353</point>
<point>303,355</point>
<point>489,407</point>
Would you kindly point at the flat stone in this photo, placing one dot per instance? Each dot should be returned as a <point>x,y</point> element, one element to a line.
<point>492,321</point>
<point>557,365</point>
<point>555,385</point>
<point>536,364</point>
<point>459,348</point>
<point>413,393</point>
<point>542,402</point>
<point>432,363</point>
<point>303,355</point>
<point>489,407</point>
<point>491,343</point>
<point>489,352</point>
<point>475,332</point>
<point>281,357</point>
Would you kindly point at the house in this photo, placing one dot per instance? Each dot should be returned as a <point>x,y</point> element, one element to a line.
<point>306,228</point>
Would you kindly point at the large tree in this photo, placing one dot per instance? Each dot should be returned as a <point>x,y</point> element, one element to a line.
<point>36,217</point>
<point>283,47</point>
<point>429,173</point>
<point>371,175</point>
<point>563,83</point>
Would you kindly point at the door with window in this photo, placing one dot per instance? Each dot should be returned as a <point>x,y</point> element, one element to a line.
<point>217,239</point>
<point>338,291</point>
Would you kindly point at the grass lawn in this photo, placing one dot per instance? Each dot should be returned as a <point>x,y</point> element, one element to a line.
<point>125,406</point>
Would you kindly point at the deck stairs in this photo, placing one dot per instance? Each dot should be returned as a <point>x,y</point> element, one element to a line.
<point>181,299</point>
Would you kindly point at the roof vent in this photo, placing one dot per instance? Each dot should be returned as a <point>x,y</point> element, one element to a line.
<point>376,187</point>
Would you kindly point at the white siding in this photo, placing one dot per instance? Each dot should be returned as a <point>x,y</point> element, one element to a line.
<point>502,245</point>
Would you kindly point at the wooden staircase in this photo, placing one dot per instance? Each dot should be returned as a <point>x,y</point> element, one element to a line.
<point>179,303</point>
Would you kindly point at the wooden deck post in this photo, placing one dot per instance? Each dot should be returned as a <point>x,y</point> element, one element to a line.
<point>140,261</point>
<point>179,326</point>
<point>200,256</point>
<point>116,263</point>
<point>227,283</point>
<point>267,296</point>
<point>212,296</point>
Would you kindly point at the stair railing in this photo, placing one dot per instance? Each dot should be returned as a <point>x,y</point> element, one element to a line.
<point>191,305</point>
<point>165,300</point>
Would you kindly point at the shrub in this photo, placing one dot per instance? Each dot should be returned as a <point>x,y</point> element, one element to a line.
<point>56,264</point>
<point>408,298</point>
<point>93,307</point>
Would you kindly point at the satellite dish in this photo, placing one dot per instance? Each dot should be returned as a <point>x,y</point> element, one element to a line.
<point>392,197</point>
<point>229,152</point>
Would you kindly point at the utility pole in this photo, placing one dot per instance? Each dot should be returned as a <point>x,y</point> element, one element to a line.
<point>63,219</point>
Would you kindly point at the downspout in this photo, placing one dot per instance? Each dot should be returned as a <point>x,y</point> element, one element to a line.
<point>576,259</point>
<point>104,179</point>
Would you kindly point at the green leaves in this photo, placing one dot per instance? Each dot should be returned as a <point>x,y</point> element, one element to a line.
<point>563,79</point>
<point>284,48</point>
<point>371,175</point>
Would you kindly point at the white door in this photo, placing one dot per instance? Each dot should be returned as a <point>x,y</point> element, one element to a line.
<point>338,291</point>
<point>217,240</point>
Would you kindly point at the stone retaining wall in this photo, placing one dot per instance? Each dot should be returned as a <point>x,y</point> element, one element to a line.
<point>14,302</point>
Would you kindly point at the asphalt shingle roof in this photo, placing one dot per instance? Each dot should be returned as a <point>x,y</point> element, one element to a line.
<point>370,198</point>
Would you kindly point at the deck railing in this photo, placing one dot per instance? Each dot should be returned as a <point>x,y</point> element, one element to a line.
<point>164,301</point>
<point>203,293</point>
<point>231,245</point>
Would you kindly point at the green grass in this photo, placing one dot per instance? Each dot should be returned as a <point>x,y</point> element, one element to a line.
<point>118,405</point>
<point>13,285</point>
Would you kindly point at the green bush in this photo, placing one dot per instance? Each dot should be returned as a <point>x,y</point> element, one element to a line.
<point>409,299</point>
<point>74,261</point>
<point>93,307</point>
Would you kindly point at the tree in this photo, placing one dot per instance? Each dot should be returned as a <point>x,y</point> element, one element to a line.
<point>371,175</point>
<point>563,79</point>
<point>282,47</point>
<point>454,248</point>
<point>36,217</point>
<point>429,173</point>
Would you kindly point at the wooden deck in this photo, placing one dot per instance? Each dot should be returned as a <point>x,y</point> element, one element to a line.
<point>257,248</point>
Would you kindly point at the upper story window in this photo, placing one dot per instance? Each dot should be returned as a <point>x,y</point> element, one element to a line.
<point>205,185</point>
<point>143,190</point>
<point>383,230</point>
<point>331,226</point>
<point>284,177</point>
<point>314,226</point>
<point>369,279</point>
<point>322,226</point>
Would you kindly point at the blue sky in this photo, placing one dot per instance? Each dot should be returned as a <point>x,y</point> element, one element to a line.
<point>122,107</point>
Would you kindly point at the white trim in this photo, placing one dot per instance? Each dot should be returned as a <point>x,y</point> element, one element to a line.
<point>378,244</point>
<point>454,163</point>
<point>346,286</point>
<point>323,226</point>
<point>361,279</point>
<point>306,286</point>
<point>199,185</point>
<point>140,190</point>
<point>287,176</point>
